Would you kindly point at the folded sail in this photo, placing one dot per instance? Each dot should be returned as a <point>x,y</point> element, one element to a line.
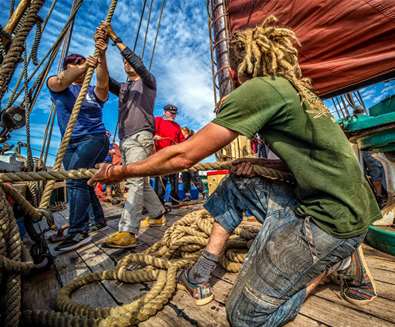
<point>345,44</point>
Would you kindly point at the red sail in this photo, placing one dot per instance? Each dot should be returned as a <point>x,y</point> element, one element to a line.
<point>345,44</point>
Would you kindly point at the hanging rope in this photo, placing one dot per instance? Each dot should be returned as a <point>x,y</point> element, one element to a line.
<point>12,7</point>
<point>13,96</point>
<point>26,104</point>
<point>139,26</point>
<point>73,119</point>
<point>51,119</point>
<point>51,52</point>
<point>157,33</point>
<point>36,42</point>
<point>17,46</point>
<point>147,29</point>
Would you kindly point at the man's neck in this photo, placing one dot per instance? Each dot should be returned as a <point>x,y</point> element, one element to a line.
<point>168,118</point>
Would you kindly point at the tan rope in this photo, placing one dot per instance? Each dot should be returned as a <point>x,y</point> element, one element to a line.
<point>73,119</point>
<point>179,247</point>
<point>53,175</point>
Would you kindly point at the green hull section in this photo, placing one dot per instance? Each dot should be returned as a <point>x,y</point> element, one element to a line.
<point>382,238</point>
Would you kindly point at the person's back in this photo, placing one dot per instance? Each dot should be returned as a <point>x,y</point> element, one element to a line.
<point>136,106</point>
<point>330,184</point>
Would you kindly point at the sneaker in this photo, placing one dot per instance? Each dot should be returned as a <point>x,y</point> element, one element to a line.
<point>357,283</point>
<point>120,240</point>
<point>187,197</point>
<point>153,222</point>
<point>95,227</point>
<point>73,242</point>
<point>202,293</point>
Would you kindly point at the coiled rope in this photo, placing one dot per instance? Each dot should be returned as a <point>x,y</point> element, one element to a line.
<point>180,247</point>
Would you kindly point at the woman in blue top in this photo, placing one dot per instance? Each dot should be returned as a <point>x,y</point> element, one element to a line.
<point>88,144</point>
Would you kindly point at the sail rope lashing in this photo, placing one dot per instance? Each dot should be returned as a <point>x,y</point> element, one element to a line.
<point>13,55</point>
<point>16,93</point>
<point>73,119</point>
<point>157,33</point>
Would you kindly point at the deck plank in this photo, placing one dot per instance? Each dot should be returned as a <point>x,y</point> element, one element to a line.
<point>334,314</point>
<point>324,308</point>
<point>380,308</point>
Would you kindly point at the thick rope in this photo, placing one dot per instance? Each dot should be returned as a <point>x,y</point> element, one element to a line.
<point>10,248</point>
<point>36,42</point>
<point>73,119</point>
<point>57,175</point>
<point>52,52</point>
<point>14,53</point>
<point>180,247</point>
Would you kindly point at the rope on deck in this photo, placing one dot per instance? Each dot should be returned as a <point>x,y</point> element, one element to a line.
<point>180,247</point>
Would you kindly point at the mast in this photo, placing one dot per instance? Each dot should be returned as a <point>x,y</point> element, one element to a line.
<point>220,63</point>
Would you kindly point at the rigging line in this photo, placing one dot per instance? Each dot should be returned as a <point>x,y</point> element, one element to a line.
<point>46,133</point>
<point>49,138</point>
<point>12,7</point>
<point>157,32</point>
<point>14,95</point>
<point>40,27</point>
<point>147,29</point>
<point>55,45</point>
<point>26,103</point>
<point>139,27</point>
<point>51,120</point>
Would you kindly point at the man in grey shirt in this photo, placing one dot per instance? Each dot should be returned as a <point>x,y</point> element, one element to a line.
<point>136,126</point>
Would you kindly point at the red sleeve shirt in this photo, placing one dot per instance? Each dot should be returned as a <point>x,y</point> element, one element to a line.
<point>170,132</point>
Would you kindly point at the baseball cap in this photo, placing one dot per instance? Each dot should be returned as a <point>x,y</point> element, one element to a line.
<point>171,108</point>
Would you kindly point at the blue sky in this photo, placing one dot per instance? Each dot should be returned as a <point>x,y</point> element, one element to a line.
<point>181,65</point>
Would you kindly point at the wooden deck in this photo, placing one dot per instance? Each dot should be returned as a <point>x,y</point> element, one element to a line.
<point>324,308</point>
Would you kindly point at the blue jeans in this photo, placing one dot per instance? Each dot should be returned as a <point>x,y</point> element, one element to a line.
<point>84,152</point>
<point>287,254</point>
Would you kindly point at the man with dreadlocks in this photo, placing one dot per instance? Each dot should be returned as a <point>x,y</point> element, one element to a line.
<point>310,231</point>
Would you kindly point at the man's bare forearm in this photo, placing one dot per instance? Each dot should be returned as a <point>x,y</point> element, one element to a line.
<point>102,78</point>
<point>65,78</point>
<point>163,162</point>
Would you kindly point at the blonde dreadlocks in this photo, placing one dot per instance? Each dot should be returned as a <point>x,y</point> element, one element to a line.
<point>269,50</point>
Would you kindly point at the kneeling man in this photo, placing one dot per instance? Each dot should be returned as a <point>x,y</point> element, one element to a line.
<point>310,230</point>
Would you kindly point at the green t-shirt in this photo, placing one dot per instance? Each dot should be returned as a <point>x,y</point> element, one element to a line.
<point>331,187</point>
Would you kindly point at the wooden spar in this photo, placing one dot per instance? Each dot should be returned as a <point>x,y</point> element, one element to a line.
<point>16,16</point>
